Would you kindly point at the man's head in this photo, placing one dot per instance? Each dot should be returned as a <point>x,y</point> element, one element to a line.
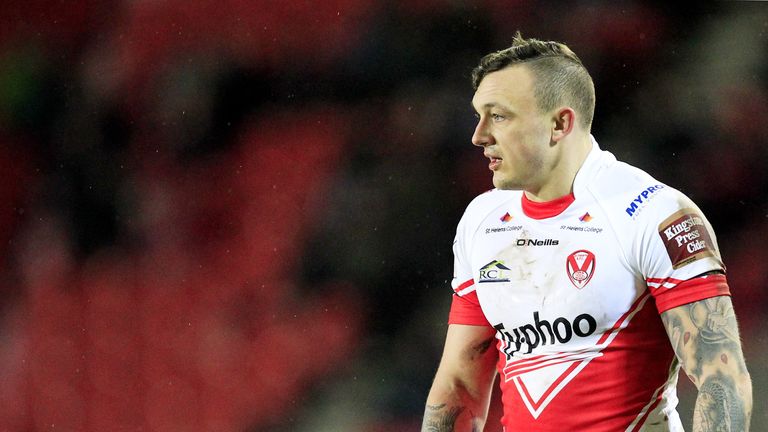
<point>560,77</point>
<point>535,102</point>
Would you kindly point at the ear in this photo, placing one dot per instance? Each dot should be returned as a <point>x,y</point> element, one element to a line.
<point>563,124</point>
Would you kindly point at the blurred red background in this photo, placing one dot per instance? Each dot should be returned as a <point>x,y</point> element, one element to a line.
<point>237,215</point>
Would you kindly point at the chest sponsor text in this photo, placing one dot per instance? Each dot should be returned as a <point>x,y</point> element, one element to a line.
<point>526,338</point>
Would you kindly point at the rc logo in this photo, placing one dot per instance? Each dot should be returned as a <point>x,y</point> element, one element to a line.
<point>494,271</point>
<point>580,267</point>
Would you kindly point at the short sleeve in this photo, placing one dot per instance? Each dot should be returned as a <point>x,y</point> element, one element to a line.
<point>676,245</point>
<point>462,282</point>
<point>465,307</point>
<point>692,290</point>
<point>466,310</point>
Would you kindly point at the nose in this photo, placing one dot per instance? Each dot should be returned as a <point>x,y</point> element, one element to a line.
<point>482,136</point>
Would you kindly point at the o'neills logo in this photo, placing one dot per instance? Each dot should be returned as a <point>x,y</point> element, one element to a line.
<point>535,242</point>
<point>542,332</point>
<point>686,237</point>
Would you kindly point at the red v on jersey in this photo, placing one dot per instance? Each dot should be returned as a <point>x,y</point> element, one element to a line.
<point>539,379</point>
<point>531,383</point>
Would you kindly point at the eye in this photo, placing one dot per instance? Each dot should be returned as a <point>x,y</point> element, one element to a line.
<point>497,117</point>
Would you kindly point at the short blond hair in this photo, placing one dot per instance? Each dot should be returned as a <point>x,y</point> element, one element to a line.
<point>560,77</point>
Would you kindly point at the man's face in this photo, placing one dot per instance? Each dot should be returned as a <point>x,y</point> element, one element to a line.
<point>513,132</point>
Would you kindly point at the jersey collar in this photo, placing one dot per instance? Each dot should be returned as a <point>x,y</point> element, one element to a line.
<point>548,209</point>
<point>590,167</point>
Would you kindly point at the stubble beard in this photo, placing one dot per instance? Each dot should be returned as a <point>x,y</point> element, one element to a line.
<point>516,181</point>
<point>506,183</point>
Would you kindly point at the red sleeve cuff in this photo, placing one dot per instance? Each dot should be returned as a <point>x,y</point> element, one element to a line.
<point>466,310</point>
<point>692,290</point>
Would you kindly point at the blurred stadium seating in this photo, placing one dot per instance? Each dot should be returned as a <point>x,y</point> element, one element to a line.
<point>236,215</point>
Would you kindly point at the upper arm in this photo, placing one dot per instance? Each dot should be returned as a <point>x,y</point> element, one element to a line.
<point>469,358</point>
<point>705,337</point>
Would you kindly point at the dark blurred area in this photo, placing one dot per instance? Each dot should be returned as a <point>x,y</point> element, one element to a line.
<point>237,215</point>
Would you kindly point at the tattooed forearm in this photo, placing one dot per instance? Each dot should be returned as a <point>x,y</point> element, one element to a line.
<point>718,407</point>
<point>705,338</point>
<point>459,397</point>
<point>439,418</point>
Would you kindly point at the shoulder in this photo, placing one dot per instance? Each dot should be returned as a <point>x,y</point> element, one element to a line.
<point>489,200</point>
<point>645,211</point>
<point>659,229</point>
<point>630,195</point>
<point>484,205</point>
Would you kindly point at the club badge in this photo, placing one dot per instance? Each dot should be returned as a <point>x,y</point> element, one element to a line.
<point>580,267</point>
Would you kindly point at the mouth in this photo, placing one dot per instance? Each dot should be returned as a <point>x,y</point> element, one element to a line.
<point>495,162</point>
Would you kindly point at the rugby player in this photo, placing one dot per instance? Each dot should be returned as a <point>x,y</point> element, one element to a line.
<point>581,281</point>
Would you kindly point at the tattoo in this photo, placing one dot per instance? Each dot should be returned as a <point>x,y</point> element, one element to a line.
<point>718,407</point>
<point>677,335</point>
<point>714,338</point>
<point>705,337</point>
<point>435,420</point>
<point>715,319</point>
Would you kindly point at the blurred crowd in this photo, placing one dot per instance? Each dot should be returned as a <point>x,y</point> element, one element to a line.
<point>237,215</point>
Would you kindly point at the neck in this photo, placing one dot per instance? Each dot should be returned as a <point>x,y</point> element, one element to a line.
<point>563,171</point>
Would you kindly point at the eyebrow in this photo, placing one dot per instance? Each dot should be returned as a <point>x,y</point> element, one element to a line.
<point>485,106</point>
<point>489,105</point>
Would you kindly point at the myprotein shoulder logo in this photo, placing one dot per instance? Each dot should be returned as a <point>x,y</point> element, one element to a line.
<point>686,238</point>
<point>642,198</point>
<point>580,267</point>
<point>494,271</point>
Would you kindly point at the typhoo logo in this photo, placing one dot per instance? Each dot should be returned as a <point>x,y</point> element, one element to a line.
<point>527,337</point>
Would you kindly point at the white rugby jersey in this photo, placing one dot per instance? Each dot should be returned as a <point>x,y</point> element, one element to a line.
<point>574,288</point>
